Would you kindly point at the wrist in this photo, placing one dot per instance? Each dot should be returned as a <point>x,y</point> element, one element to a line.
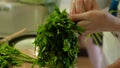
<point>113,23</point>
<point>116,25</point>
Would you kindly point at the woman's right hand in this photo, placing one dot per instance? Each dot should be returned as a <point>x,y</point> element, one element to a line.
<point>97,21</point>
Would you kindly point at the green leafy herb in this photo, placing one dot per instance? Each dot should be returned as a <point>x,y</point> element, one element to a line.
<point>9,56</point>
<point>57,41</point>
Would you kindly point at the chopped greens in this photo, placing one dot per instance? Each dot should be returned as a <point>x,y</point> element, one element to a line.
<point>57,41</point>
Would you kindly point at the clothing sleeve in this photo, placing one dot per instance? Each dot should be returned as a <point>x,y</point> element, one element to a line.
<point>113,7</point>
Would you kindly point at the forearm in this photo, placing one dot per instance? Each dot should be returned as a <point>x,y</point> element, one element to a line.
<point>94,53</point>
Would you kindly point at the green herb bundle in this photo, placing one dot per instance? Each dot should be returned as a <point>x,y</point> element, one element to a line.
<point>57,41</point>
<point>9,57</point>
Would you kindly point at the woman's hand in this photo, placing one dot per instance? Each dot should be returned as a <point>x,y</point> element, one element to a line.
<point>116,64</point>
<point>79,6</point>
<point>97,21</point>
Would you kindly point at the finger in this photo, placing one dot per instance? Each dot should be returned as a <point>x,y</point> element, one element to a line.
<point>94,5</point>
<point>89,32</point>
<point>81,16</point>
<point>85,24</point>
<point>72,9</point>
<point>90,26</point>
<point>79,6</point>
<point>88,4</point>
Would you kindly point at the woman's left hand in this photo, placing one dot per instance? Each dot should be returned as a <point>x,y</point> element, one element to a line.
<point>80,6</point>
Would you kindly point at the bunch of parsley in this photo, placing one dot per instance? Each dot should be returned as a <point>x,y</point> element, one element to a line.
<point>57,41</point>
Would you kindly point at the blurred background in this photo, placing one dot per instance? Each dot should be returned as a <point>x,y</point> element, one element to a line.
<point>18,14</point>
